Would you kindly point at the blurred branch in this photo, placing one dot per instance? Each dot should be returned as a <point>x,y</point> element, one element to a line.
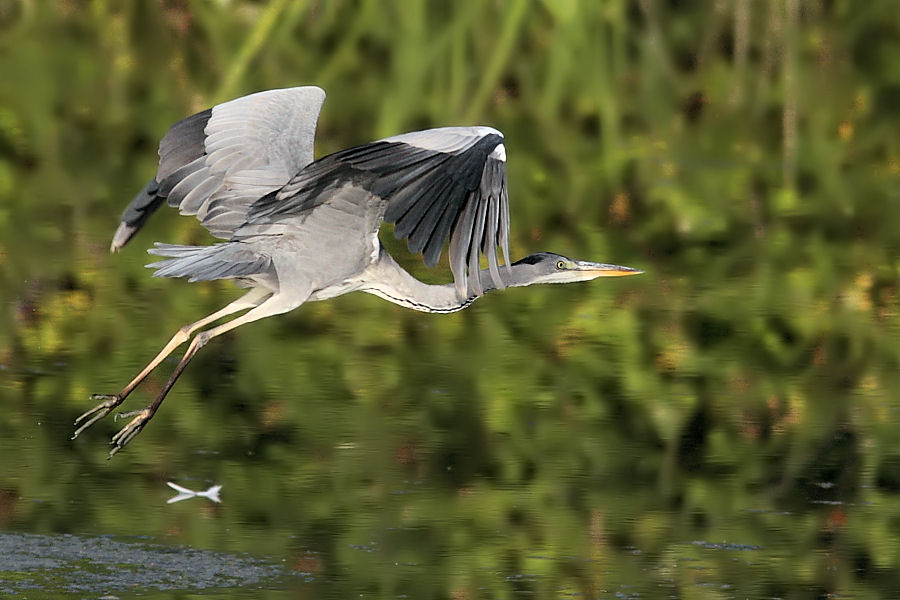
<point>741,45</point>
<point>657,41</point>
<point>338,59</point>
<point>710,36</point>
<point>789,114</point>
<point>508,36</point>
<point>251,48</point>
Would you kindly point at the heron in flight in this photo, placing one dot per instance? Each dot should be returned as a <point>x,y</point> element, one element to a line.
<point>296,230</point>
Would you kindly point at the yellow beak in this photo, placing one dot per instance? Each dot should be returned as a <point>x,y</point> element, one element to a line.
<point>592,270</point>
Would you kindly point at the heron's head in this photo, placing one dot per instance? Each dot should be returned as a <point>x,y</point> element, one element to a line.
<point>547,267</point>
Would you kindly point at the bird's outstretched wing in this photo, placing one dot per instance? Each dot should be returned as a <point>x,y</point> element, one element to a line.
<point>216,163</point>
<point>431,184</point>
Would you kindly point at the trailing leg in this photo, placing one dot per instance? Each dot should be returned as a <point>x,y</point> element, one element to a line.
<point>108,402</point>
<point>272,306</point>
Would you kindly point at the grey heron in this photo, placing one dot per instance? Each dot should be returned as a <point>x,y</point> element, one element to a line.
<point>296,230</point>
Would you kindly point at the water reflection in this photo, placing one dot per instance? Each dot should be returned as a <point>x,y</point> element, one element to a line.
<point>725,427</point>
<point>388,506</point>
<point>211,493</point>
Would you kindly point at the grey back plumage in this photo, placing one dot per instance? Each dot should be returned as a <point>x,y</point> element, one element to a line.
<point>433,184</point>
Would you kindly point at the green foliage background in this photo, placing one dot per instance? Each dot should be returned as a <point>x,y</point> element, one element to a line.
<point>730,417</point>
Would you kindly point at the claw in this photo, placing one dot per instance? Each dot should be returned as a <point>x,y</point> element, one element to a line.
<point>134,427</point>
<point>125,415</point>
<point>109,402</point>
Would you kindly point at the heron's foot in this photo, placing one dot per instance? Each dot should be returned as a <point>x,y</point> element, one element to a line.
<point>134,427</point>
<point>106,406</point>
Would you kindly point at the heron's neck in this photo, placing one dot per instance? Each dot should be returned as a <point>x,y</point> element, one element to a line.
<point>388,280</point>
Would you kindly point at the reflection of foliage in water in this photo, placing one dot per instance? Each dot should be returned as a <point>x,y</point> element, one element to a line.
<point>745,156</point>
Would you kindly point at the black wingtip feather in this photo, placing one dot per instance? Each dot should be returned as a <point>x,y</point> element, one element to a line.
<point>136,214</point>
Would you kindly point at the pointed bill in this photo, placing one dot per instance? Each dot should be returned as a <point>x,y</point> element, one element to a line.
<point>591,270</point>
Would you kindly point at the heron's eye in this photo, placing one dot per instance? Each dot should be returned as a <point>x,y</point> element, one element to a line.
<point>561,265</point>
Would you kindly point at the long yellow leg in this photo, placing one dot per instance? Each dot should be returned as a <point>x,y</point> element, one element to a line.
<point>272,306</point>
<point>109,402</point>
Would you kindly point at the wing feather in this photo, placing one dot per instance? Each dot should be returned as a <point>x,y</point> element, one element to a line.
<point>477,235</point>
<point>433,184</point>
<point>183,187</point>
<point>460,242</point>
<point>182,144</point>
<point>425,226</point>
<point>432,251</point>
<point>503,228</point>
<point>426,196</point>
<point>489,240</point>
<point>231,155</point>
<point>166,185</point>
<point>194,199</point>
<point>409,187</point>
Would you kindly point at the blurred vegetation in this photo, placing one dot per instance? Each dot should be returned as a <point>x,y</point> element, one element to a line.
<point>730,418</point>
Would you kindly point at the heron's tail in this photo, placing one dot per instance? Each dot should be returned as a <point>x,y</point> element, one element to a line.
<point>227,260</point>
<point>136,213</point>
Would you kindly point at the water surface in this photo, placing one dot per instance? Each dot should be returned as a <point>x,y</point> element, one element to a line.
<point>723,426</point>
